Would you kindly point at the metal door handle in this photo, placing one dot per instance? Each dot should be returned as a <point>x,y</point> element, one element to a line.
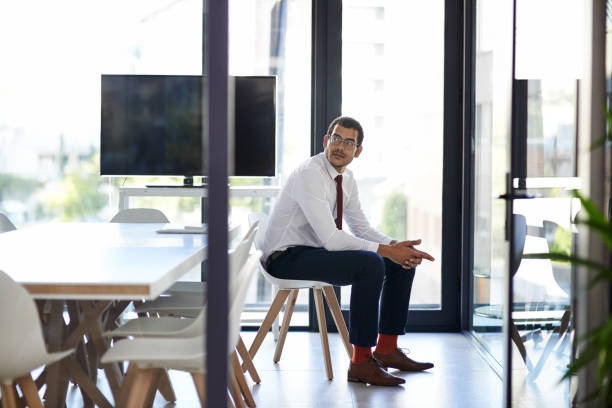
<point>516,196</point>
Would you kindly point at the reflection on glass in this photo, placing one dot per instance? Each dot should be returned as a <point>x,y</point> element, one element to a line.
<point>541,304</point>
<point>50,121</point>
<point>551,128</point>
<point>393,84</point>
<point>273,38</point>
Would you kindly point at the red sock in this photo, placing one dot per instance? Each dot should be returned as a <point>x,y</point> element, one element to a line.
<point>361,354</point>
<point>386,344</point>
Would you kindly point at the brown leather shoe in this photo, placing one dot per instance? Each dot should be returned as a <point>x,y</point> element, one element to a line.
<point>398,359</point>
<point>371,372</point>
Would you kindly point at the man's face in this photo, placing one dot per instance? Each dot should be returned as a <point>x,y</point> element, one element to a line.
<point>339,153</point>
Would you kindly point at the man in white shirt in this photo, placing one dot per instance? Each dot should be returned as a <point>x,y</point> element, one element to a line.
<point>305,240</point>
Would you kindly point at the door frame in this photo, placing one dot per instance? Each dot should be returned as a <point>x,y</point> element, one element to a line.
<point>326,105</point>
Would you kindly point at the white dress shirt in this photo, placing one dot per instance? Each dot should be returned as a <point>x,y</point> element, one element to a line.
<point>305,211</point>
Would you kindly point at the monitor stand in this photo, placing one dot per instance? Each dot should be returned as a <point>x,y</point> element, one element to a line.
<point>187,183</point>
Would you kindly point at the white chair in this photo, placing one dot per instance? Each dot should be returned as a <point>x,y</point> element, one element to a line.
<point>166,326</point>
<point>288,291</point>
<point>149,356</point>
<point>22,347</point>
<point>189,304</point>
<point>5,224</point>
<point>186,299</point>
<point>140,215</point>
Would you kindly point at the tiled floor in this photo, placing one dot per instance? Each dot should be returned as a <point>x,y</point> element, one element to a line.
<point>460,378</point>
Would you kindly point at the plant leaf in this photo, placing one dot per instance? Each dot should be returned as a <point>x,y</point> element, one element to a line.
<point>604,229</point>
<point>589,354</point>
<point>591,209</point>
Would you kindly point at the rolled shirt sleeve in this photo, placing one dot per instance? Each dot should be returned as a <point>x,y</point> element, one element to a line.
<point>357,221</point>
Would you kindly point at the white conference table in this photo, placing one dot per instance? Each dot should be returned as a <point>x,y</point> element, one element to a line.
<point>98,261</point>
<point>88,267</point>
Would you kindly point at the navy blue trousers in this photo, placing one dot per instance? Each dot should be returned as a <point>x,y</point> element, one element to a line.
<point>380,291</point>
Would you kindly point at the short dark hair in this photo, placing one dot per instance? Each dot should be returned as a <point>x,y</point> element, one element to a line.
<point>348,123</point>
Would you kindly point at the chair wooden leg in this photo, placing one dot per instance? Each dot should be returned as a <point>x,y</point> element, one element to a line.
<point>126,385</point>
<point>30,392</point>
<point>285,326</point>
<point>235,391</point>
<point>565,319</point>
<point>230,401</point>
<point>165,387</point>
<point>236,372</point>
<point>80,377</point>
<point>199,380</point>
<point>42,379</point>
<point>152,389</point>
<point>516,337</point>
<point>336,312</point>
<point>247,360</point>
<point>275,308</point>
<point>323,332</point>
<point>141,387</point>
<point>9,396</point>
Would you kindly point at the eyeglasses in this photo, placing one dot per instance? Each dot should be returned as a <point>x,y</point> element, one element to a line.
<point>336,139</point>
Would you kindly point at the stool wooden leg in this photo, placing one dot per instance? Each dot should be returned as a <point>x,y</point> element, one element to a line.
<point>285,326</point>
<point>323,332</point>
<point>336,312</point>
<point>236,372</point>
<point>236,394</point>
<point>275,308</point>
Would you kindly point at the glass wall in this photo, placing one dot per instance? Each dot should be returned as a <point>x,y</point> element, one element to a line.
<point>550,64</point>
<point>539,330</point>
<point>273,37</point>
<point>491,152</point>
<point>392,82</point>
<point>53,56</point>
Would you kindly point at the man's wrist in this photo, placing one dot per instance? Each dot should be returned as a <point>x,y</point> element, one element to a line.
<point>383,250</point>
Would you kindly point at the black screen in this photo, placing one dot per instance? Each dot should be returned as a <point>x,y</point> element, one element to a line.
<point>152,126</point>
<point>255,126</point>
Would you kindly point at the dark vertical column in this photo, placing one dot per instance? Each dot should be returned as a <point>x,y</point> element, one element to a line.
<point>326,97</point>
<point>452,160</point>
<point>216,61</point>
<point>326,68</point>
<point>469,99</point>
<point>509,283</point>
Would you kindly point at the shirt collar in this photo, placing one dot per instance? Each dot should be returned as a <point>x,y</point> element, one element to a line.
<point>331,170</point>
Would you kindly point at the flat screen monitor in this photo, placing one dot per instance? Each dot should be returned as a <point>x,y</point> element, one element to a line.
<point>151,125</point>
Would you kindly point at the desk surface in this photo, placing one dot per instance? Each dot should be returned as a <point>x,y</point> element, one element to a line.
<point>98,260</point>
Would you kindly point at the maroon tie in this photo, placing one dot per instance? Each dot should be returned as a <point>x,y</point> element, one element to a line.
<point>339,201</point>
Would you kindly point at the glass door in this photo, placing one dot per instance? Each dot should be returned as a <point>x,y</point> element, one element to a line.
<point>544,148</point>
<point>492,66</point>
